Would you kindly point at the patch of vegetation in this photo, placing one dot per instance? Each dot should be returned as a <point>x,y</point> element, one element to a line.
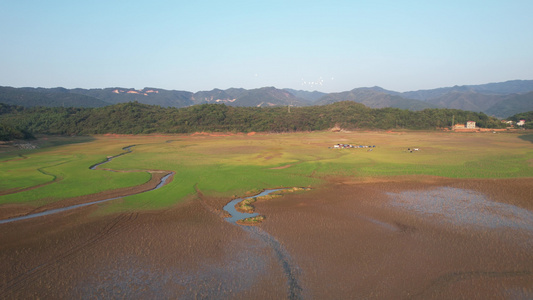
<point>137,118</point>
<point>65,173</point>
<point>245,206</point>
<point>526,116</point>
<point>252,220</point>
<point>9,133</point>
<point>238,164</point>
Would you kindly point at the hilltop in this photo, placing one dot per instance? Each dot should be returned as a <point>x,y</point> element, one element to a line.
<point>501,100</point>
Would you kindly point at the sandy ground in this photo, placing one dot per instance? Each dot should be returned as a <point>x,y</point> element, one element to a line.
<point>377,239</point>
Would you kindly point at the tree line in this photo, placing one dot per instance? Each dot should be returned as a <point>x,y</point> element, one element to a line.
<point>526,116</point>
<point>137,118</point>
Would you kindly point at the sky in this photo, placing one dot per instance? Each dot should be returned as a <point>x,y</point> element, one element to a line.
<point>329,46</point>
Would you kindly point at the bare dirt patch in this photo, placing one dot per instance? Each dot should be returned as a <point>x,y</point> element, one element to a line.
<point>182,252</point>
<point>282,167</point>
<point>346,239</point>
<point>351,242</point>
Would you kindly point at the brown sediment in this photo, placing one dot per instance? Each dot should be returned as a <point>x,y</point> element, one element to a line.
<point>184,251</point>
<point>282,167</point>
<point>345,238</point>
<point>350,242</point>
<point>10,210</point>
<point>216,134</point>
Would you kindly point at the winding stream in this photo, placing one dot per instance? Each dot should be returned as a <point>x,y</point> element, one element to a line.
<point>237,215</point>
<point>161,183</point>
<point>289,269</point>
<point>110,158</point>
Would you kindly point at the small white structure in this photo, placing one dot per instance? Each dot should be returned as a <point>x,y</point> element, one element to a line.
<point>470,125</point>
<point>521,123</point>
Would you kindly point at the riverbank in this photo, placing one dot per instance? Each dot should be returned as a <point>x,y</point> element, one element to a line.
<point>13,210</point>
<point>346,239</point>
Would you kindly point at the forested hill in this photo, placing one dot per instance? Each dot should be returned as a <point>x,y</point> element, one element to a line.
<point>496,99</point>
<point>9,133</point>
<point>29,97</point>
<point>137,118</point>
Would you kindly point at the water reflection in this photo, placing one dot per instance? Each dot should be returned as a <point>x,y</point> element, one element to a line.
<point>237,215</point>
<point>290,270</point>
<point>464,207</point>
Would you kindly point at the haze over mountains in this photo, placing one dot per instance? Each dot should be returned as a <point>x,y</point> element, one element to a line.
<point>497,99</point>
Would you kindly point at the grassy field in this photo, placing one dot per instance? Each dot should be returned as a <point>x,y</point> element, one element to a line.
<point>229,166</point>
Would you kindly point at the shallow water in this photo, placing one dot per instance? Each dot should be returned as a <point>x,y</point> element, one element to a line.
<point>290,270</point>
<point>127,278</point>
<point>236,215</point>
<point>464,207</point>
<point>127,149</point>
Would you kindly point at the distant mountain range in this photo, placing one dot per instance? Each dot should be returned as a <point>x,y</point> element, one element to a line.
<point>496,99</point>
<point>375,97</point>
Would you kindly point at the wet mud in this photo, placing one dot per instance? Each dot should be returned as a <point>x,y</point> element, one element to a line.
<point>284,259</point>
<point>408,238</point>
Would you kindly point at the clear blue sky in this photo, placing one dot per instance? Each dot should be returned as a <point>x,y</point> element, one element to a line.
<point>329,46</point>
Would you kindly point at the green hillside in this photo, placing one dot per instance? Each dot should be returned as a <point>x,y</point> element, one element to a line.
<point>137,118</point>
<point>57,97</point>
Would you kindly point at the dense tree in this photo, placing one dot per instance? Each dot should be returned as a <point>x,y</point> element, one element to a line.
<point>137,118</point>
<point>9,133</point>
<point>527,116</point>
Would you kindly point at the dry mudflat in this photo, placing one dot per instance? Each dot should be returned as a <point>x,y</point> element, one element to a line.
<point>415,238</point>
<point>398,238</point>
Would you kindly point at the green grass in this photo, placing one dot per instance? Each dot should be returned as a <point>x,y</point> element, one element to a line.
<point>241,165</point>
<point>527,137</point>
<point>252,220</point>
<point>64,173</point>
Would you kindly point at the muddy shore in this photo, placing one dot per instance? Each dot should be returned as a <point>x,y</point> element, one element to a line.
<point>346,239</point>
<point>351,242</point>
<point>15,210</point>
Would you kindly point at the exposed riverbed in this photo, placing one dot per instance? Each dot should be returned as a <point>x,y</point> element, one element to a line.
<point>289,268</point>
<point>383,240</point>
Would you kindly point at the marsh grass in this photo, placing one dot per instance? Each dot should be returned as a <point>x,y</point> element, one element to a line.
<point>252,220</point>
<point>241,165</point>
<point>245,206</point>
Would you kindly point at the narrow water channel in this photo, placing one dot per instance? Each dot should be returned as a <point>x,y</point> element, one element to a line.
<point>161,183</point>
<point>110,158</point>
<point>289,268</point>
